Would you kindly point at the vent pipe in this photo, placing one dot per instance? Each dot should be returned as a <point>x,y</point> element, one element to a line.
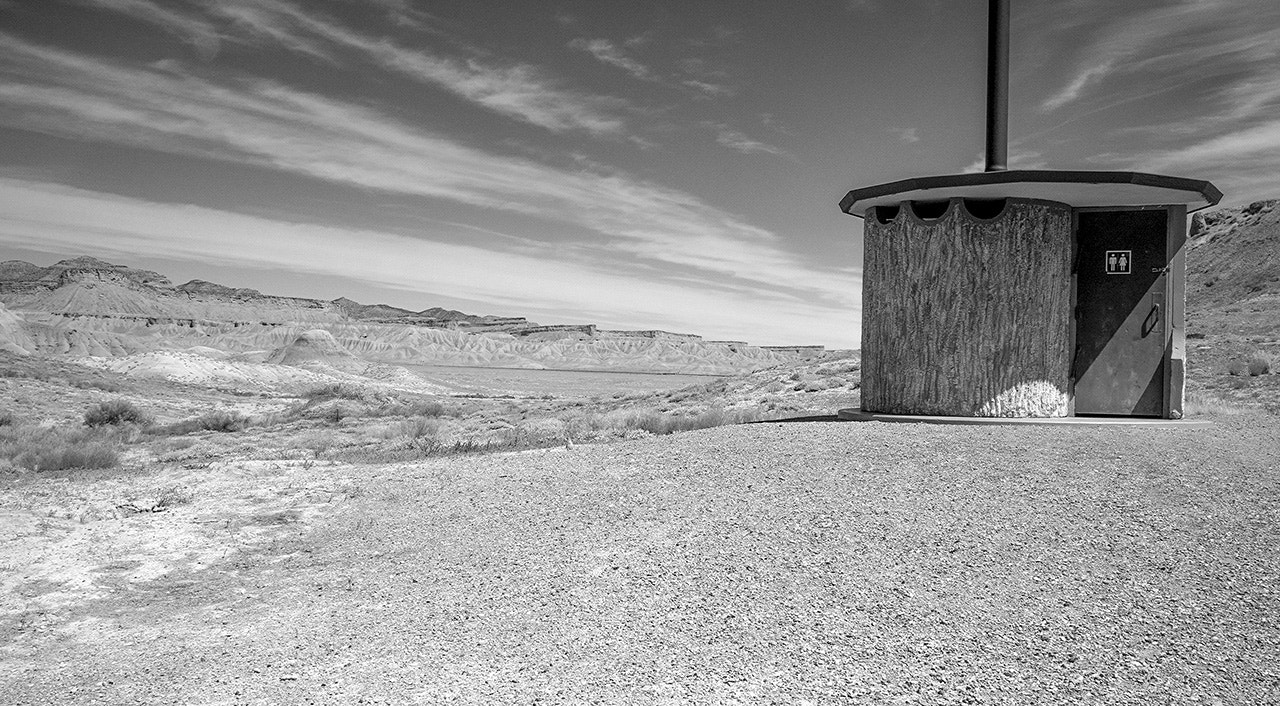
<point>997,85</point>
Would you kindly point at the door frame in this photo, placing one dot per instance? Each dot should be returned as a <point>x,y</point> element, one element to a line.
<point>1175,297</point>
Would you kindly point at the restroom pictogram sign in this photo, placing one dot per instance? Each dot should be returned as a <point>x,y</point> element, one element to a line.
<point>1119,262</point>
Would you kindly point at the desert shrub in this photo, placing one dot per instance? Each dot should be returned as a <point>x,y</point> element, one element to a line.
<point>7,419</point>
<point>223,421</point>
<point>92,384</point>
<point>219,420</point>
<point>1237,367</point>
<point>317,443</point>
<point>117,411</point>
<point>337,390</point>
<point>413,408</point>
<point>422,433</point>
<point>645,420</point>
<point>69,456</point>
<point>1259,365</point>
<point>58,449</point>
<point>28,372</point>
<point>537,433</point>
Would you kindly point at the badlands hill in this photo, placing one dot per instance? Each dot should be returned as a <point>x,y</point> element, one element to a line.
<point>87,307</point>
<point>1233,299</point>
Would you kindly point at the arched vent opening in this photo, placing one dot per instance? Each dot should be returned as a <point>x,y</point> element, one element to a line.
<point>886,214</point>
<point>986,209</point>
<point>929,210</point>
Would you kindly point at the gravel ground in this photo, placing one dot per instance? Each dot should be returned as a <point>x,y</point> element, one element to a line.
<point>769,563</point>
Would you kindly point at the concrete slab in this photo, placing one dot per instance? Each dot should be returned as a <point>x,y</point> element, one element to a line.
<point>857,415</point>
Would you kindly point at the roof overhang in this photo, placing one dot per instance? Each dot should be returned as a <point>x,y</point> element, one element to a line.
<point>1079,189</point>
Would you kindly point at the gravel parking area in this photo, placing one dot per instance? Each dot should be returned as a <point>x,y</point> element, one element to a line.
<point>793,563</point>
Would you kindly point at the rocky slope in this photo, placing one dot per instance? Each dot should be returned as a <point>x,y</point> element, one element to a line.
<point>88,307</point>
<point>1233,302</point>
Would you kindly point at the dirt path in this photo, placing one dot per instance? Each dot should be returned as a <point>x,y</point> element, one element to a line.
<point>819,563</point>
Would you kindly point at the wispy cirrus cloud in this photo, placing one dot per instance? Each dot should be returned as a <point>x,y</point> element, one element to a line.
<point>517,90</point>
<point>707,81</point>
<point>737,140</point>
<point>198,32</point>
<point>1122,42</point>
<point>1212,65</point>
<point>606,52</point>
<point>270,125</point>
<point>1176,42</point>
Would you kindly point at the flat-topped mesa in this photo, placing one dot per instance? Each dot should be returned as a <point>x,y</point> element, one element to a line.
<point>583,329</point>
<point>648,333</point>
<point>802,350</point>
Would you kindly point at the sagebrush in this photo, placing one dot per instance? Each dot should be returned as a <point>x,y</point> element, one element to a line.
<point>113,412</point>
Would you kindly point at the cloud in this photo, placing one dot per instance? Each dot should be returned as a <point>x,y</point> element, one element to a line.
<point>516,90</point>
<point>713,90</point>
<point>1121,43</point>
<point>54,218</point>
<point>1206,70</point>
<point>1094,73</point>
<point>197,32</point>
<point>605,52</point>
<point>735,140</point>
<point>906,134</point>
<point>269,125</point>
<point>708,81</point>
<point>1239,148</point>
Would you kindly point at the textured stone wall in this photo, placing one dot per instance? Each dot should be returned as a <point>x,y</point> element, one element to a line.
<point>968,317</point>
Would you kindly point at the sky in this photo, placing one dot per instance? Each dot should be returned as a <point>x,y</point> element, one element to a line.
<point>652,164</point>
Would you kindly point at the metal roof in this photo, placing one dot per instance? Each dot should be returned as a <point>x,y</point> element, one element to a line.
<point>1079,189</point>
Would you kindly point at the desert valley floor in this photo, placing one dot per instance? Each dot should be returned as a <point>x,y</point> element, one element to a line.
<point>808,562</point>
<point>212,495</point>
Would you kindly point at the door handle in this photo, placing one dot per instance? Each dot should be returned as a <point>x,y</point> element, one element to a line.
<point>1153,319</point>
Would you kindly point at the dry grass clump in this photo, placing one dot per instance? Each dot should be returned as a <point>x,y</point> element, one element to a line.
<point>1204,405</point>
<point>411,408</point>
<point>425,437</point>
<point>218,421</point>
<point>60,448</point>
<point>1257,364</point>
<point>420,432</point>
<point>334,403</point>
<point>115,412</point>
<point>337,390</point>
<point>586,426</point>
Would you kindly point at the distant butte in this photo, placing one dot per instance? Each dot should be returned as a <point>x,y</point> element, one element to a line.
<point>87,306</point>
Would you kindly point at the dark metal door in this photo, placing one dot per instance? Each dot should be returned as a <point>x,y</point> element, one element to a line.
<point>1121,270</point>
